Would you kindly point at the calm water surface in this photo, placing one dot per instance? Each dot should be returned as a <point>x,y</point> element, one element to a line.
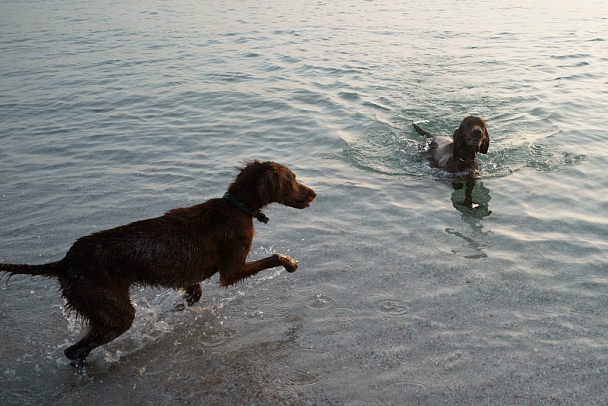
<point>117,111</point>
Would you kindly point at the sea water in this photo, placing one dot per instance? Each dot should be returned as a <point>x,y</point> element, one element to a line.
<point>116,111</point>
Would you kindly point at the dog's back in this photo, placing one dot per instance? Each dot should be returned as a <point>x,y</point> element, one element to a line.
<point>172,251</point>
<point>440,151</point>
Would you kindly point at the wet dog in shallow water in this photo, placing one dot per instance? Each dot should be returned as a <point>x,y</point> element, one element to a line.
<point>457,154</point>
<point>177,250</point>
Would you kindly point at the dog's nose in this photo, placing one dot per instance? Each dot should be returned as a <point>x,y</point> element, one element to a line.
<point>477,132</point>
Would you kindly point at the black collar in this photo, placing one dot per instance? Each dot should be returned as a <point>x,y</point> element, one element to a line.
<point>257,213</point>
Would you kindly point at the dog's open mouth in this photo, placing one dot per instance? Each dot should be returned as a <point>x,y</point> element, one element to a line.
<point>304,204</point>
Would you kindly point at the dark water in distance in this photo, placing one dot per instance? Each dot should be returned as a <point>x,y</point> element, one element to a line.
<point>116,111</point>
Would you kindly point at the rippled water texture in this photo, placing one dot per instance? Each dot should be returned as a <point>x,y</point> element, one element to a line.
<point>406,294</point>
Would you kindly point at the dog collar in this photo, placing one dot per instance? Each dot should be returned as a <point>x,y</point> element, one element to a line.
<point>258,214</point>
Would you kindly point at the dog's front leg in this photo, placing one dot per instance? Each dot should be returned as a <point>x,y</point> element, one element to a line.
<point>248,269</point>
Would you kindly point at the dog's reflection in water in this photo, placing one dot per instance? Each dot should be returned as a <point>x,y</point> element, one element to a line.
<point>471,198</point>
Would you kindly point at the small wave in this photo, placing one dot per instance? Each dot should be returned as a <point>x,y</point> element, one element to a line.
<point>350,96</point>
<point>546,158</point>
<point>571,56</point>
<point>376,106</point>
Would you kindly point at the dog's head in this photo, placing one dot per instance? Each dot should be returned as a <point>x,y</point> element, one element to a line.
<point>472,133</point>
<point>276,183</point>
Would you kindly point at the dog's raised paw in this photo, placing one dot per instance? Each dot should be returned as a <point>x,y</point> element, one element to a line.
<point>289,263</point>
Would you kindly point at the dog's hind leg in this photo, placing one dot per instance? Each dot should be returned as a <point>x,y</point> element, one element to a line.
<point>109,313</point>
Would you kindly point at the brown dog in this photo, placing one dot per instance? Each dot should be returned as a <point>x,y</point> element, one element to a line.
<point>177,250</point>
<point>457,154</point>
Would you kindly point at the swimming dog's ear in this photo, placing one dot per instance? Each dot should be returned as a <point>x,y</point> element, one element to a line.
<point>485,144</point>
<point>459,140</point>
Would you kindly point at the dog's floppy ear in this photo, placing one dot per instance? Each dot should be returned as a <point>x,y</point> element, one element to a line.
<point>483,148</point>
<point>269,187</point>
<point>459,141</point>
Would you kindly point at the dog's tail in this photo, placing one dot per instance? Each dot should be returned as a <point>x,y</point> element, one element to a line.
<point>50,270</point>
<point>422,131</point>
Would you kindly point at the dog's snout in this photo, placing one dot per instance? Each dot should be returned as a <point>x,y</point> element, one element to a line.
<point>308,196</point>
<point>477,132</point>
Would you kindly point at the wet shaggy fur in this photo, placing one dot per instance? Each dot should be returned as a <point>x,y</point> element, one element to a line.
<point>457,154</point>
<point>177,250</point>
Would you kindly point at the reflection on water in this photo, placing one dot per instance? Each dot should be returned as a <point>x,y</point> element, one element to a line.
<point>476,200</point>
<point>472,199</point>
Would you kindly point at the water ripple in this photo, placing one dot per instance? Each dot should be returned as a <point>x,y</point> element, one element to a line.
<point>338,321</point>
<point>320,302</point>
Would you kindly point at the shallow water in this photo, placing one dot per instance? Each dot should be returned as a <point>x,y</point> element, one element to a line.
<point>115,112</point>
